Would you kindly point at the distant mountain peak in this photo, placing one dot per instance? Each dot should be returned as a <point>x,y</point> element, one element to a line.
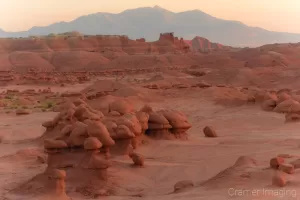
<point>149,22</point>
<point>158,7</point>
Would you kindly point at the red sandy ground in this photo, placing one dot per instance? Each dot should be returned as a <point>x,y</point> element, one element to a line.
<point>243,129</point>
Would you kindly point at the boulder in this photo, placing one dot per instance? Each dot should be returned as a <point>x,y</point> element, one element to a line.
<point>209,132</point>
<point>137,159</point>
<point>276,162</point>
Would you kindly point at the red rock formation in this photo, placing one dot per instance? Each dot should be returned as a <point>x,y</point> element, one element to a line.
<point>204,45</point>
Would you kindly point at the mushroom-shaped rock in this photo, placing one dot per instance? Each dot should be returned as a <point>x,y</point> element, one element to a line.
<point>98,130</point>
<point>279,180</point>
<point>137,159</point>
<point>22,112</point>
<point>121,106</point>
<point>183,185</point>
<point>287,168</point>
<point>78,134</point>
<point>209,132</point>
<point>275,162</point>
<point>284,106</point>
<point>268,105</point>
<point>54,144</point>
<point>92,143</point>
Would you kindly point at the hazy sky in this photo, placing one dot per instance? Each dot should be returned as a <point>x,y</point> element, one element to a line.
<point>277,15</point>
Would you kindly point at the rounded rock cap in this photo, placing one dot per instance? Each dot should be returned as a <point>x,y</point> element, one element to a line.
<point>92,143</point>
<point>59,174</point>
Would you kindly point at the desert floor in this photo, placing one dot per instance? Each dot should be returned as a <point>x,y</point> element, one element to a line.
<point>244,130</point>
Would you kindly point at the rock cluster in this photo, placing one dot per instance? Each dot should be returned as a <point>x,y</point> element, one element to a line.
<point>283,168</point>
<point>281,102</point>
<point>81,139</point>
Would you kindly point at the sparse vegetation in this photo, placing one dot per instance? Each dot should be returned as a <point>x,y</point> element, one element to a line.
<point>9,97</point>
<point>46,105</point>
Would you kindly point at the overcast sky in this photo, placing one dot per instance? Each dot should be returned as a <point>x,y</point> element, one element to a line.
<point>276,15</point>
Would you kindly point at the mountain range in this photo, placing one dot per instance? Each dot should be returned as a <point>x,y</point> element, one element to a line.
<point>149,22</point>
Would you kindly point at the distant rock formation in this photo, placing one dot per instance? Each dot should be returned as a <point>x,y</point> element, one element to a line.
<point>204,45</point>
<point>74,41</point>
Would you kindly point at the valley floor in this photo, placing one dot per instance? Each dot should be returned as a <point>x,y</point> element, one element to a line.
<point>243,131</point>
